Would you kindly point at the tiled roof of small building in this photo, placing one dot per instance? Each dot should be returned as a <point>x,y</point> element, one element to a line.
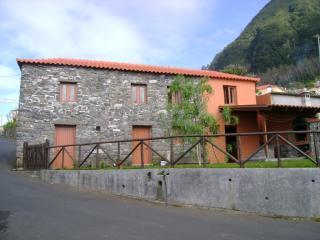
<point>270,107</point>
<point>261,87</point>
<point>135,68</point>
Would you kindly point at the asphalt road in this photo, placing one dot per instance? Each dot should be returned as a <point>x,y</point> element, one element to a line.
<point>30,209</point>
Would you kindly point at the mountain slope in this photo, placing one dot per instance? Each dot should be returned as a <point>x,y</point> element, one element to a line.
<point>282,33</point>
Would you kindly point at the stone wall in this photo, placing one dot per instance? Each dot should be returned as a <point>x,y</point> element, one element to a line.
<point>104,99</point>
<point>284,192</point>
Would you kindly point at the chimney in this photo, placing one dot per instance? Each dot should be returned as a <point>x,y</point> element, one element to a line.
<point>305,97</point>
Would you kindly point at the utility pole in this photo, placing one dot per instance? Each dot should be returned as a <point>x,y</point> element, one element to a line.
<point>318,38</point>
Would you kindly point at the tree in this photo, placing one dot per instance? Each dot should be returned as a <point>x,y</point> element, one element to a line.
<point>188,115</point>
<point>302,74</point>
<point>228,118</point>
<point>9,129</point>
<point>236,69</point>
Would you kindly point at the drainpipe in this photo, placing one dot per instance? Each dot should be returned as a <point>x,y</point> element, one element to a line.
<point>163,173</point>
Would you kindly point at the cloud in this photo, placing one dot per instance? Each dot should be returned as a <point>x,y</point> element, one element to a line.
<point>10,98</point>
<point>134,31</point>
<point>142,31</point>
<point>9,78</point>
<point>70,29</point>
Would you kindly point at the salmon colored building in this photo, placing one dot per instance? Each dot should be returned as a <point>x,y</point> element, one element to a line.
<point>233,93</point>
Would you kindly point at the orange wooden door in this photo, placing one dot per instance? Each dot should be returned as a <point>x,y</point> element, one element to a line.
<point>139,132</point>
<point>65,135</point>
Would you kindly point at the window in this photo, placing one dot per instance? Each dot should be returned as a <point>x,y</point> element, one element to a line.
<point>68,92</point>
<point>139,93</point>
<point>174,97</point>
<point>230,95</point>
<point>307,96</point>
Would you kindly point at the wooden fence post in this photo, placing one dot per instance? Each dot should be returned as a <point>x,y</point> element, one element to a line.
<point>47,153</point>
<point>79,157</point>
<point>118,155</point>
<point>278,151</point>
<point>25,154</point>
<point>62,157</point>
<point>203,152</point>
<point>142,154</point>
<point>171,153</point>
<point>316,147</point>
<point>97,156</point>
<point>239,152</point>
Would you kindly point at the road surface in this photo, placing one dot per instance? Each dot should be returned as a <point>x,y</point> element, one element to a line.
<point>30,209</point>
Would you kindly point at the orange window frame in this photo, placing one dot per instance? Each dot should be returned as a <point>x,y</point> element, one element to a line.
<point>174,97</point>
<point>68,92</point>
<point>139,93</point>
<point>230,94</point>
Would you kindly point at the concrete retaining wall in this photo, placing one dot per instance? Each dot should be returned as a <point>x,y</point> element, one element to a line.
<point>284,192</point>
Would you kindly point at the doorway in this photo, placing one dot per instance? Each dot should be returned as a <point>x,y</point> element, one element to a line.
<point>65,135</point>
<point>231,142</point>
<point>139,132</point>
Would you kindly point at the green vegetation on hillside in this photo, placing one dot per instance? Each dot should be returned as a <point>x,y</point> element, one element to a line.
<point>282,34</point>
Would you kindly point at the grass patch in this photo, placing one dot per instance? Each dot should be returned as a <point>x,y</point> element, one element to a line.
<point>304,163</point>
<point>315,219</point>
<point>295,163</point>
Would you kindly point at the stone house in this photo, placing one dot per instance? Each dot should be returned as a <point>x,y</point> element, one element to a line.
<point>71,101</point>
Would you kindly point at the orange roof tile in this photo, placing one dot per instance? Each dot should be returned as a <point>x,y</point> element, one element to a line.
<point>313,120</point>
<point>135,68</point>
<point>254,107</point>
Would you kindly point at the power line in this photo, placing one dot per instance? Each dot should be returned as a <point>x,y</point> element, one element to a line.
<point>10,76</point>
<point>8,100</point>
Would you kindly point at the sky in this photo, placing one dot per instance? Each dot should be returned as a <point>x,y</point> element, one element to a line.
<point>183,33</point>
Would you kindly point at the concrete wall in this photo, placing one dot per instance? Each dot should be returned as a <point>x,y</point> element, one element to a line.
<point>285,192</point>
<point>287,99</point>
<point>294,100</point>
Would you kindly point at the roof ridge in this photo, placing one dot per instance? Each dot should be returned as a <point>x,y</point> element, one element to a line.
<point>135,67</point>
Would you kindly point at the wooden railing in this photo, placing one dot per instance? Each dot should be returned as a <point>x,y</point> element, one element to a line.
<point>38,156</point>
<point>35,156</point>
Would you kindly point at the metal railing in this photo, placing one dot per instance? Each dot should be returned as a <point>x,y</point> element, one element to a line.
<point>202,142</point>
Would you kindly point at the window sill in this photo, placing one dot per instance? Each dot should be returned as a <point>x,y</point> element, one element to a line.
<point>139,104</point>
<point>64,103</point>
<point>231,104</point>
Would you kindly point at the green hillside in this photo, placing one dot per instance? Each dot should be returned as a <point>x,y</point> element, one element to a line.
<point>282,34</point>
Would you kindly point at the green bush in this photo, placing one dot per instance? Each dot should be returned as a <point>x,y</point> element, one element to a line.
<point>10,125</point>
